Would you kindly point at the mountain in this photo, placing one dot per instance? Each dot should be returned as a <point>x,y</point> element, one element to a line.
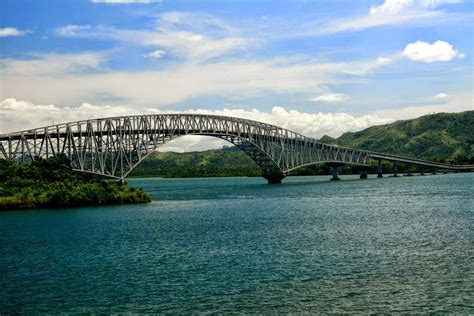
<point>445,137</point>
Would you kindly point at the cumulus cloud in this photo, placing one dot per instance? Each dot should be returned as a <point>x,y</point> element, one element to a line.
<point>330,97</point>
<point>157,54</point>
<point>12,31</point>
<point>17,115</point>
<point>425,52</point>
<point>441,95</point>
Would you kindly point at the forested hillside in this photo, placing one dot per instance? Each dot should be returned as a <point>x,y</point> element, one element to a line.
<point>446,136</point>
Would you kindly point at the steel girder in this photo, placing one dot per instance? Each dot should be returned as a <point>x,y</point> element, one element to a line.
<point>114,146</point>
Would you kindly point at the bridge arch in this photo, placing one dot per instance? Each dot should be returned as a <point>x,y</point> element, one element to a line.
<point>270,169</point>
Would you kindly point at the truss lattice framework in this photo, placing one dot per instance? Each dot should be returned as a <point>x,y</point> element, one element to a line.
<point>114,146</point>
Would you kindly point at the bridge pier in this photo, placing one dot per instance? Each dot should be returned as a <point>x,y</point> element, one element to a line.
<point>408,174</point>
<point>335,171</point>
<point>274,178</point>
<point>379,170</point>
<point>395,169</point>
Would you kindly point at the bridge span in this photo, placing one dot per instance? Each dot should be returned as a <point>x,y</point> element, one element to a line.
<point>113,146</point>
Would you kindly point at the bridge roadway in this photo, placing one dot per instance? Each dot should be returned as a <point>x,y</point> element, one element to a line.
<point>114,146</point>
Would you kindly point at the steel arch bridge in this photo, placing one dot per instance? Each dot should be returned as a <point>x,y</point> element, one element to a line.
<point>113,146</point>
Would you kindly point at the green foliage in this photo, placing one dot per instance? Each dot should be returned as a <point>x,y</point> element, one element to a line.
<point>52,183</point>
<point>212,163</point>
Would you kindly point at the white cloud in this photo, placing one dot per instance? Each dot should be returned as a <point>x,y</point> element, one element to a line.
<point>390,12</point>
<point>157,54</point>
<point>185,44</point>
<point>16,115</point>
<point>425,52</point>
<point>330,97</point>
<point>394,6</point>
<point>384,60</point>
<point>124,1</point>
<point>49,65</point>
<point>455,105</point>
<point>72,29</point>
<point>67,79</point>
<point>441,95</point>
<point>390,6</point>
<point>436,3</point>
<point>193,37</point>
<point>12,31</point>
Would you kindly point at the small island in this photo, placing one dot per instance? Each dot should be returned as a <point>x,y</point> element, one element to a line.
<point>51,183</point>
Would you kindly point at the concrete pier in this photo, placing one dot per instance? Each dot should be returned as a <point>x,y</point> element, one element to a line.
<point>379,170</point>
<point>335,173</point>
<point>274,178</point>
<point>395,169</point>
<point>408,174</point>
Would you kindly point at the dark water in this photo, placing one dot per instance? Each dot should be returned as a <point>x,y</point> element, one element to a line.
<point>239,245</point>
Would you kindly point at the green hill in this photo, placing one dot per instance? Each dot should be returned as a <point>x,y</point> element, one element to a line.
<point>443,137</point>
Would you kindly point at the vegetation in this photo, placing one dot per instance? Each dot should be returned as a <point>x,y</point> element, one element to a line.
<point>229,161</point>
<point>444,137</point>
<point>52,183</point>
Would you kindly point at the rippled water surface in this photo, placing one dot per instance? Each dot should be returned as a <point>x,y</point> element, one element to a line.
<point>239,245</point>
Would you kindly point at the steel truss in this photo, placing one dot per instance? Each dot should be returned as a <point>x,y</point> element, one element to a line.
<point>114,146</point>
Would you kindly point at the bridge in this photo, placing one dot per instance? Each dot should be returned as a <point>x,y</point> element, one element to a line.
<point>113,146</point>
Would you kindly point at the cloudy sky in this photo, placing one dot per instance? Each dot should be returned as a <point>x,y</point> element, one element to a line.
<point>316,67</point>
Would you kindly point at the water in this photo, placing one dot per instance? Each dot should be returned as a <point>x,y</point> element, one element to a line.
<point>240,245</point>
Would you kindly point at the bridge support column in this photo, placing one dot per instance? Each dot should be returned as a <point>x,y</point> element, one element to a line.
<point>408,174</point>
<point>379,170</point>
<point>122,181</point>
<point>395,169</point>
<point>274,178</point>
<point>335,172</point>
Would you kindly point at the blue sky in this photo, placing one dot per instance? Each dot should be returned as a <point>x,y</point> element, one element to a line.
<point>318,67</point>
